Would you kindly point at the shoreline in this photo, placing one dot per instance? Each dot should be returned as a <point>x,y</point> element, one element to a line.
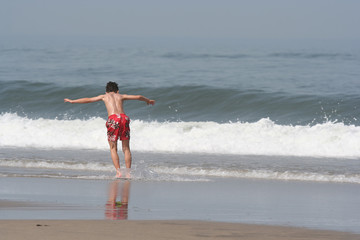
<point>322,206</point>
<point>158,229</point>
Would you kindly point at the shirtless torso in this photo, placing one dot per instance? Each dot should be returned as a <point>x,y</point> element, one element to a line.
<point>113,103</point>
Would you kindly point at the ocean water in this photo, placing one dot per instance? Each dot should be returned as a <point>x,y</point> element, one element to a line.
<point>239,109</point>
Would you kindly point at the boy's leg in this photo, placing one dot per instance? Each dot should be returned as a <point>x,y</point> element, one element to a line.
<point>127,152</point>
<point>115,157</point>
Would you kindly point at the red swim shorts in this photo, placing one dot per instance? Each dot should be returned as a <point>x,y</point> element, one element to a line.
<point>118,125</point>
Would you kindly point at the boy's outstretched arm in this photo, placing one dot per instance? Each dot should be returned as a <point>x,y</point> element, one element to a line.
<point>140,98</point>
<point>85,100</point>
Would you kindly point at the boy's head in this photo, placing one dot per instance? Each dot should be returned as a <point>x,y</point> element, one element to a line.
<point>112,87</point>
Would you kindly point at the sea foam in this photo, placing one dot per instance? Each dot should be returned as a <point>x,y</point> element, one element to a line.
<point>85,170</point>
<point>263,137</point>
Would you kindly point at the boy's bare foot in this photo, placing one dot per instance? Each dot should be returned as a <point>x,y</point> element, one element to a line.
<point>118,173</point>
<point>128,173</point>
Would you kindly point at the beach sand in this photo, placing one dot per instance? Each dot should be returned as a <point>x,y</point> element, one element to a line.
<point>51,208</point>
<point>155,230</point>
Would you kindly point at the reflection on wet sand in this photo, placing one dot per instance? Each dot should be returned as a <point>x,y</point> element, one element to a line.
<point>118,210</point>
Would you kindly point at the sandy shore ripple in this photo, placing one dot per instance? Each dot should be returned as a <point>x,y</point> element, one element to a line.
<point>151,230</point>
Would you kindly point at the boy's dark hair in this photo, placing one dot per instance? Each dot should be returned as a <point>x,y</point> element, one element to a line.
<point>112,87</point>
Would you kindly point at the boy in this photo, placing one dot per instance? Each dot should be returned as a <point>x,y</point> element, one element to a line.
<point>117,123</point>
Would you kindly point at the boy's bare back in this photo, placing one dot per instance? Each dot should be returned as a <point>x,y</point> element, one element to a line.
<point>113,103</point>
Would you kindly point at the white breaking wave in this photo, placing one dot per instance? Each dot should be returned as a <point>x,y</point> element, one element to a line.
<point>48,164</point>
<point>107,171</point>
<point>261,174</point>
<point>164,173</point>
<point>263,137</point>
<point>19,131</point>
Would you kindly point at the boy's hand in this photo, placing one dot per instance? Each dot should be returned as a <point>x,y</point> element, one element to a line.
<point>68,100</point>
<point>151,102</point>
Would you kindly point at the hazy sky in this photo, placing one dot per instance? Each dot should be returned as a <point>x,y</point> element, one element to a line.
<point>183,18</point>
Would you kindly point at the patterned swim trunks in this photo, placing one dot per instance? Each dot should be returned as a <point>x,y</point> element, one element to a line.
<point>118,125</point>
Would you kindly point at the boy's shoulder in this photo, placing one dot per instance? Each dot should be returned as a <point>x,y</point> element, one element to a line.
<point>123,94</point>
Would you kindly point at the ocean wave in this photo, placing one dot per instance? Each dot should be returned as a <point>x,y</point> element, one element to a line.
<point>310,55</point>
<point>232,56</point>
<point>261,174</point>
<point>59,176</point>
<point>85,170</point>
<point>182,103</point>
<point>263,137</point>
<point>181,56</point>
<point>49,164</point>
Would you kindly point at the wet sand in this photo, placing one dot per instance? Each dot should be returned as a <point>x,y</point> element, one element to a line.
<point>155,230</point>
<point>219,209</point>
